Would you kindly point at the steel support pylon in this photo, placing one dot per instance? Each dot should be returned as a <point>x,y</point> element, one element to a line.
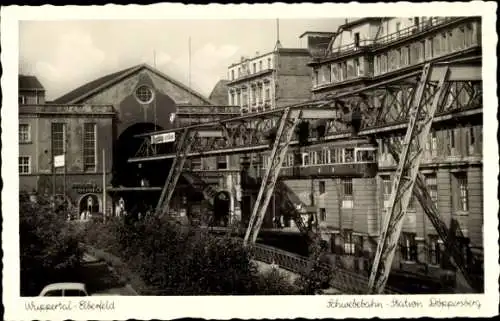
<point>183,148</point>
<point>288,122</point>
<point>420,120</point>
<point>423,196</point>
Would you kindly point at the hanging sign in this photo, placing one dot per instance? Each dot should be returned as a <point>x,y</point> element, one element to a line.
<point>59,161</point>
<point>163,138</point>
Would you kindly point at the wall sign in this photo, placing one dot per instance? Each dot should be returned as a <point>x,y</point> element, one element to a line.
<point>84,188</point>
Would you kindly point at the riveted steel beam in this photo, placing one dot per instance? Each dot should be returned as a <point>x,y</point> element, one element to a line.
<point>183,147</point>
<point>288,122</point>
<point>420,120</point>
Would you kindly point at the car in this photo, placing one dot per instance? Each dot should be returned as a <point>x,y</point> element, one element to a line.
<point>65,289</point>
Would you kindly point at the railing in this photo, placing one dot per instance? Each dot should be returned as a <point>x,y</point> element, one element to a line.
<point>335,51</point>
<point>341,279</point>
<point>370,43</point>
<point>409,31</point>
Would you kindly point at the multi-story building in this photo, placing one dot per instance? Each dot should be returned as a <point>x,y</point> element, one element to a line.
<point>350,210</point>
<point>31,90</point>
<point>270,80</point>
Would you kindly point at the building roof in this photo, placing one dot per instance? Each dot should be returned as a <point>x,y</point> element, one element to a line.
<point>77,95</point>
<point>30,83</point>
<point>354,23</point>
<point>318,33</point>
<point>219,94</point>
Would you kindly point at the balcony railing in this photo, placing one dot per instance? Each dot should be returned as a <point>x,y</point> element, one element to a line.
<point>410,31</point>
<point>371,43</point>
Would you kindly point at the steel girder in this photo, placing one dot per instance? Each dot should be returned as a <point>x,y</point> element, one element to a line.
<point>287,124</point>
<point>421,114</point>
<point>421,193</point>
<point>383,107</point>
<point>185,143</point>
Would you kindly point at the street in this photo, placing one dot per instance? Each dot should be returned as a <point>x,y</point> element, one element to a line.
<point>101,279</point>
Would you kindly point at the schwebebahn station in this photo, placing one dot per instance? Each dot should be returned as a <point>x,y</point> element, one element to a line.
<point>368,140</point>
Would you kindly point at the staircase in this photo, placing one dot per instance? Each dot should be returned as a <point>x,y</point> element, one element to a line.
<point>208,190</point>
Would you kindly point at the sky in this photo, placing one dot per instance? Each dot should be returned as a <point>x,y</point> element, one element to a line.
<point>67,54</point>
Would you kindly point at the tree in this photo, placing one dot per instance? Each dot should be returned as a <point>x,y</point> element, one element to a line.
<point>182,260</point>
<point>48,246</point>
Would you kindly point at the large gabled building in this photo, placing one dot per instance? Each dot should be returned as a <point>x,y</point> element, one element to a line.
<point>102,115</point>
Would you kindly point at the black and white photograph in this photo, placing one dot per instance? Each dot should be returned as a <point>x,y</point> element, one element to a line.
<point>335,160</point>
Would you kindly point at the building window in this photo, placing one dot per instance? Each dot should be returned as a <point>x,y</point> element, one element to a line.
<point>398,27</point>
<point>344,70</point>
<point>356,39</point>
<point>444,43</point>
<point>260,65</point>
<point>431,182</point>
<point>144,94</point>
<point>347,201</point>
<point>347,183</point>
<point>58,135</point>
<point>24,165</point>
<point>471,140</point>
<point>89,147</point>
<point>313,157</point>
<point>408,247</point>
<point>196,163</point>
<point>268,63</point>
<point>434,250</point>
<point>433,143</point>
<point>322,214</point>
<point>349,155</point>
<point>305,159</point>
<point>254,67</point>
<point>356,67</point>
<point>267,94</point>
<point>232,74</point>
<point>349,245</point>
<point>463,193</point>
<point>22,100</point>
<point>239,71</point>
<point>386,190</point>
<point>222,162</point>
<point>24,133</point>
<point>411,203</point>
<point>451,140</point>
<point>417,21</point>
<point>464,247</point>
<point>315,77</point>
<point>322,187</point>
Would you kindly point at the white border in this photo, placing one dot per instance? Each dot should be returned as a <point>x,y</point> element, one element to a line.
<point>240,306</point>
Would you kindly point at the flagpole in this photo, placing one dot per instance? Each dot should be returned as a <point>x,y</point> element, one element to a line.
<point>189,54</point>
<point>64,177</point>
<point>104,183</point>
<point>53,182</point>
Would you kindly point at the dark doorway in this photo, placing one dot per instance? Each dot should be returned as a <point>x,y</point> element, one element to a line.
<point>151,173</point>
<point>89,203</point>
<point>221,209</point>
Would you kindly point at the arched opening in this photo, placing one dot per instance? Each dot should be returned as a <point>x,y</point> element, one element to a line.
<point>134,175</point>
<point>89,203</point>
<point>221,209</point>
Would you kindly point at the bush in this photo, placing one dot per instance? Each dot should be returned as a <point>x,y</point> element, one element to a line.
<point>180,260</point>
<point>49,250</point>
